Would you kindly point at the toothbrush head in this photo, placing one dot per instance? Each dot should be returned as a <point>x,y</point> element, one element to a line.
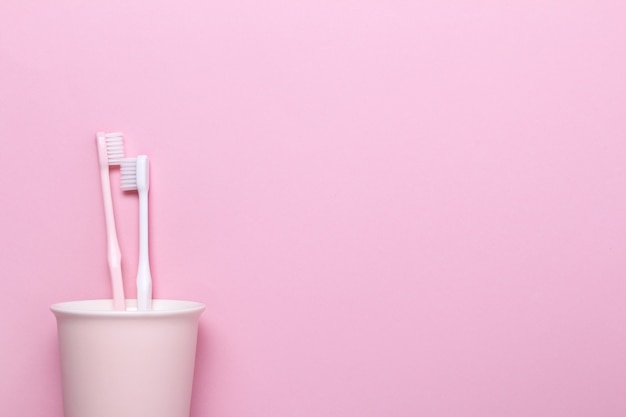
<point>110,148</point>
<point>135,173</point>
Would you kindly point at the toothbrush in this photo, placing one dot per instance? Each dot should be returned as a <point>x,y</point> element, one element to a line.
<point>136,176</point>
<point>111,152</point>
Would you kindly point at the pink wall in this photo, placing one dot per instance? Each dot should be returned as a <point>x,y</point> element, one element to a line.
<point>390,208</point>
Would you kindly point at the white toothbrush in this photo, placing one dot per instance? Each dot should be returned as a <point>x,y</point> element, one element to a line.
<point>136,176</point>
<point>111,152</point>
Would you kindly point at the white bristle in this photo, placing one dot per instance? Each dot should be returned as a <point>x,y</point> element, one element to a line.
<point>115,148</point>
<point>128,168</point>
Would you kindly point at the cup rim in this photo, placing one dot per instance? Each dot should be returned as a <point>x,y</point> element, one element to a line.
<point>104,308</point>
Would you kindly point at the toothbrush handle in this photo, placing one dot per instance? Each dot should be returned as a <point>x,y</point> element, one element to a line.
<point>114,255</point>
<point>144,279</point>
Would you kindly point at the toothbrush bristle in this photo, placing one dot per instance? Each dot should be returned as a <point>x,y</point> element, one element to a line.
<point>115,148</point>
<point>128,168</point>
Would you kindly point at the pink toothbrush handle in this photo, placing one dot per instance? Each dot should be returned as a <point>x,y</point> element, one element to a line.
<point>114,255</point>
<point>118,286</point>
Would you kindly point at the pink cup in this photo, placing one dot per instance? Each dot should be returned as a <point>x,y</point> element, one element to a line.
<point>127,363</point>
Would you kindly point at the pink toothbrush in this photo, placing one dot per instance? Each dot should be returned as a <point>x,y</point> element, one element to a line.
<point>111,152</point>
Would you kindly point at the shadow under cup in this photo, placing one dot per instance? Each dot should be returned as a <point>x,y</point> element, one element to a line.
<point>127,363</point>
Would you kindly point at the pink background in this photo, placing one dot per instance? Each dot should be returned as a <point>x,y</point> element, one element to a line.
<point>390,208</point>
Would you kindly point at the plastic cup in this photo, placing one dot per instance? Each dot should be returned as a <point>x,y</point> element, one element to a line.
<point>127,363</point>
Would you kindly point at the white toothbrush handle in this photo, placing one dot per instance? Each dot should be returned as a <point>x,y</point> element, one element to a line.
<point>144,279</point>
<point>114,256</point>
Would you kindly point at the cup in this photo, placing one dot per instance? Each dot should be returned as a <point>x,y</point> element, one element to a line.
<point>127,363</point>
